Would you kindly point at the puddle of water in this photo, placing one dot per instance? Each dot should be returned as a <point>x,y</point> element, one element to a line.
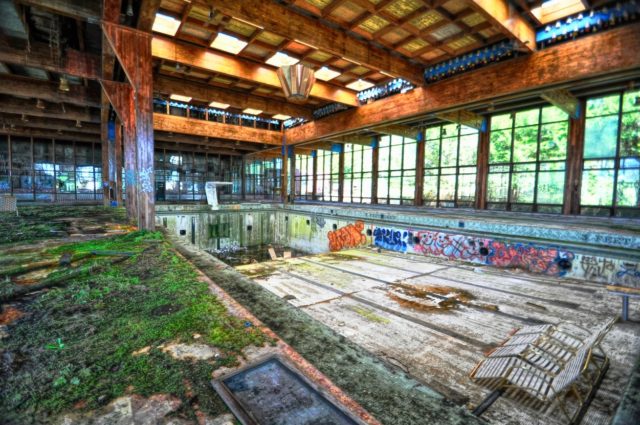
<point>273,394</point>
<point>428,298</point>
<point>252,255</point>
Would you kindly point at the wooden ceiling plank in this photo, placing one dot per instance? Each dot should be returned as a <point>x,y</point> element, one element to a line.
<point>505,16</point>
<point>283,21</point>
<point>213,61</point>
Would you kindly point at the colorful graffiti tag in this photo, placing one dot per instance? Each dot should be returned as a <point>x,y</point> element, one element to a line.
<point>529,257</point>
<point>392,239</point>
<point>349,236</point>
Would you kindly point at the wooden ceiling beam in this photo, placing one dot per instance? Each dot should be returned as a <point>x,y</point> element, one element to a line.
<point>74,62</point>
<point>190,147</point>
<point>395,130</point>
<point>48,90</point>
<point>506,17</point>
<point>564,100</point>
<point>213,61</point>
<point>285,22</point>
<point>45,134</point>
<point>49,124</point>
<point>147,15</point>
<point>463,117</point>
<point>240,100</point>
<point>78,9</point>
<point>62,111</point>
<point>557,66</point>
<point>204,141</point>
<point>163,122</point>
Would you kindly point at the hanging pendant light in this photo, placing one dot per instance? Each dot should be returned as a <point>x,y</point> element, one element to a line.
<point>78,124</point>
<point>296,81</point>
<point>40,104</point>
<point>64,84</point>
<point>129,8</point>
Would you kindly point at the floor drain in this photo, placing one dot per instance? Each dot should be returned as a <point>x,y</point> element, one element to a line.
<point>272,392</point>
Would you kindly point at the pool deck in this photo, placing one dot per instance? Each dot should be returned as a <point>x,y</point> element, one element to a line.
<point>376,299</point>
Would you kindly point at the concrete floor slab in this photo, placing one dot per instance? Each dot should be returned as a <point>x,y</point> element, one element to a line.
<point>377,300</point>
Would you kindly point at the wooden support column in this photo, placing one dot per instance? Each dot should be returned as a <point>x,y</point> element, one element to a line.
<point>374,170</point>
<point>106,166</point>
<point>314,183</point>
<point>483,167</point>
<point>573,177</point>
<point>341,175</point>
<point>418,201</point>
<point>283,185</point>
<point>292,173</point>
<point>243,178</point>
<point>118,163</point>
<point>133,50</point>
<point>121,97</point>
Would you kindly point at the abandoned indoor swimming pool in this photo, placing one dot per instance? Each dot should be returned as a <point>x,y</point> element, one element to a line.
<point>319,212</point>
<point>353,315</point>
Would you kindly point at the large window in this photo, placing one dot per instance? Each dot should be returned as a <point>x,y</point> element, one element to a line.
<point>611,169</point>
<point>396,170</point>
<point>262,178</point>
<point>450,158</point>
<point>358,162</point>
<point>327,179</point>
<point>527,160</point>
<point>303,179</point>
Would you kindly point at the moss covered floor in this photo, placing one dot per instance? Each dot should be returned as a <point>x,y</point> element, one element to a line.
<point>69,347</point>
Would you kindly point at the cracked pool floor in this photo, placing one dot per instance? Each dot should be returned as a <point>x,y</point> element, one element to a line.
<point>435,319</point>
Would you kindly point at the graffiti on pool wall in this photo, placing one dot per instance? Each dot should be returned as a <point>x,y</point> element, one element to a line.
<point>349,236</point>
<point>451,246</point>
<point>536,259</point>
<point>395,240</point>
<point>596,267</point>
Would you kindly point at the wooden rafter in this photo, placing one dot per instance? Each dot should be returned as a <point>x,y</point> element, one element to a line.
<point>12,105</point>
<point>505,16</point>
<point>162,122</point>
<point>48,90</point>
<point>74,62</point>
<point>239,100</point>
<point>212,61</point>
<point>78,9</point>
<point>285,22</point>
<point>49,124</point>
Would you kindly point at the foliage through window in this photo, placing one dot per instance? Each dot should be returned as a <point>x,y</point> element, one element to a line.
<point>611,167</point>
<point>303,179</point>
<point>396,170</point>
<point>450,160</point>
<point>358,163</point>
<point>527,160</point>
<point>327,179</point>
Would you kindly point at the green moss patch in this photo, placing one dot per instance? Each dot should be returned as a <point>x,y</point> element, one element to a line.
<point>74,344</point>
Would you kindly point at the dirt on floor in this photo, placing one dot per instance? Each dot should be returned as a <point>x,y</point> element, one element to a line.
<point>67,341</point>
<point>382,388</point>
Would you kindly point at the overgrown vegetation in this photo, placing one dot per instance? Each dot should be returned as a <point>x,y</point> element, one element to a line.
<point>36,223</point>
<point>74,344</point>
